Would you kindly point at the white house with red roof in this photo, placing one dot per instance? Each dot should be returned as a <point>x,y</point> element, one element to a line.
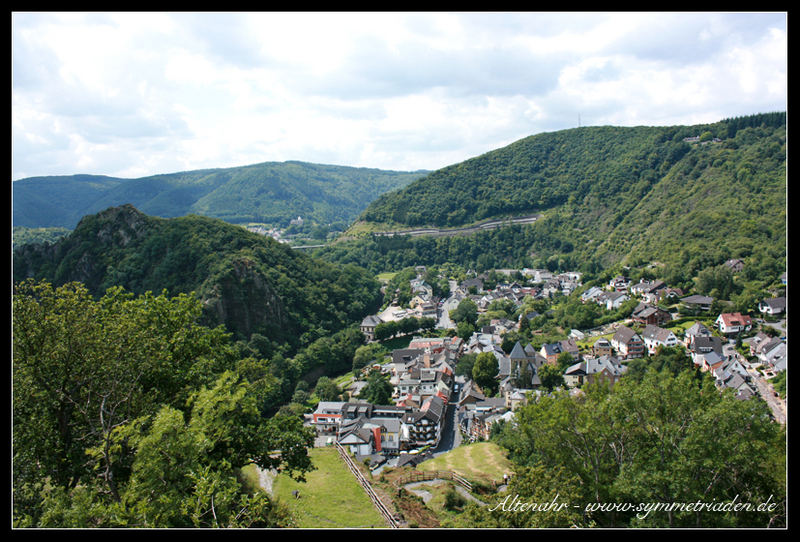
<point>733,322</point>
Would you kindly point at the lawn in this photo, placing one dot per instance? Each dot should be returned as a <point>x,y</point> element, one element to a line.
<point>479,461</point>
<point>386,277</point>
<point>330,498</point>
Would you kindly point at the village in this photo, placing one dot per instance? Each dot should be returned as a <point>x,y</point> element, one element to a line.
<point>434,408</point>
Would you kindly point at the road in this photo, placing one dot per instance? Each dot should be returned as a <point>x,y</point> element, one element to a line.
<point>767,392</point>
<point>451,436</point>
<point>439,232</point>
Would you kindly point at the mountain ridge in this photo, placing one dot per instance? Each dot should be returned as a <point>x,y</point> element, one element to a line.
<point>267,192</point>
<point>248,282</point>
<point>686,196</point>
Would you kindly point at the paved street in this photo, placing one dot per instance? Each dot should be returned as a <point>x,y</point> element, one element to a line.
<point>776,404</point>
<point>451,436</point>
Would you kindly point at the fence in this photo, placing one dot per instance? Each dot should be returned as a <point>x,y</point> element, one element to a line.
<point>382,508</point>
<point>420,476</point>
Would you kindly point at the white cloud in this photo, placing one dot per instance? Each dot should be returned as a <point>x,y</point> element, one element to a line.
<point>134,94</point>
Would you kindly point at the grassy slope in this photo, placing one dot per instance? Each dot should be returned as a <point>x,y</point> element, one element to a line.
<point>330,498</point>
<point>479,461</point>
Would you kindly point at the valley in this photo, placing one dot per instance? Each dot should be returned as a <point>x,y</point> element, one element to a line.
<point>596,313</point>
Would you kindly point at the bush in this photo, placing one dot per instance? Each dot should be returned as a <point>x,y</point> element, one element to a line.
<point>453,501</point>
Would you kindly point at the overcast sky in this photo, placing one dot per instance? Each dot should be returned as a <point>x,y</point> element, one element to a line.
<point>137,94</point>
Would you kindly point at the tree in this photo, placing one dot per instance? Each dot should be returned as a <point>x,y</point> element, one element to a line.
<point>485,371</point>
<point>408,325</point>
<point>378,390</point>
<point>115,399</point>
<point>327,390</point>
<point>549,488</point>
<point>464,330</point>
<point>551,376</point>
<point>466,311</point>
<point>367,354</point>
<point>386,330</point>
<point>465,364</point>
<point>564,361</point>
<point>662,438</point>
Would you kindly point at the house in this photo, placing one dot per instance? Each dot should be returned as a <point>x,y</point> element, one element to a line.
<point>627,343</point>
<point>602,347</point>
<point>368,326</point>
<point>423,427</point>
<point>709,361</point>
<point>475,284</point>
<point>590,370</point>
<point>619,283</point>
<point>517,398</point>
<point>569,345</point>
<point>591,294</point>
<point>475,420</point>
<point>756,342</point>
<point>550,352</point>
<point>773,353</point>
<point>577,335</point>
<point>368,436</point>
<point>697,330</point>
<point>327,417</point>
<point>697,302</point>
<point>772,306</point>
<point>470,394</point>
<point>359,439</point>
<point>702,345</point>
<point>613,300</point>
<point>735,265</point>
<point>733,322</point>
<point>725,377</point>
<point>670,293</point>
<point>650,315</point>
<point>767,348</point>
<point>646,287</point>
<point>654,336</point>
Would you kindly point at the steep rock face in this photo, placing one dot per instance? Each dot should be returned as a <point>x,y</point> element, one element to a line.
<point>119,226</point>
<point>78,257</point>
<point>244,299</point>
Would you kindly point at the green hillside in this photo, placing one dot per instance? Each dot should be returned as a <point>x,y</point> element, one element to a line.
<point>272,193</point>
<point>607,195</point>
<point>250,283</point>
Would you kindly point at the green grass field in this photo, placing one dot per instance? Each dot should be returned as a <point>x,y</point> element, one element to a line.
<point>330,498</point>
<point>479,461</point>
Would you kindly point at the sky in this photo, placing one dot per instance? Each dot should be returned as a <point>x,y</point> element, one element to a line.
<point>132,94</point>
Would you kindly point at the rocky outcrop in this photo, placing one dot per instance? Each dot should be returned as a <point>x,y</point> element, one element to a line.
<point>245,301</point>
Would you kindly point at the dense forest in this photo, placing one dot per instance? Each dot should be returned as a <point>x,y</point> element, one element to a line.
<point>609,196</point>
<point>130,413</point>
<point>272,193</point>
<point>249,283</point>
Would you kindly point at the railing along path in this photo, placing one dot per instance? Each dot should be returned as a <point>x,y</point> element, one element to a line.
<point>379,504</point>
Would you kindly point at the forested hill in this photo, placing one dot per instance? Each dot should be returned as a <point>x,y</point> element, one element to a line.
<point>272,193</point>
<point>247,282</point>
<point>607,194</point>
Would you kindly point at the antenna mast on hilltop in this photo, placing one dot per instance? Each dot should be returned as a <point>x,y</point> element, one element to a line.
<point>579,120</point>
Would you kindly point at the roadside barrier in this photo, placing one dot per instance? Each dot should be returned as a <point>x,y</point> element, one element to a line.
<point>420,476</point>
<point>379,504</point>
